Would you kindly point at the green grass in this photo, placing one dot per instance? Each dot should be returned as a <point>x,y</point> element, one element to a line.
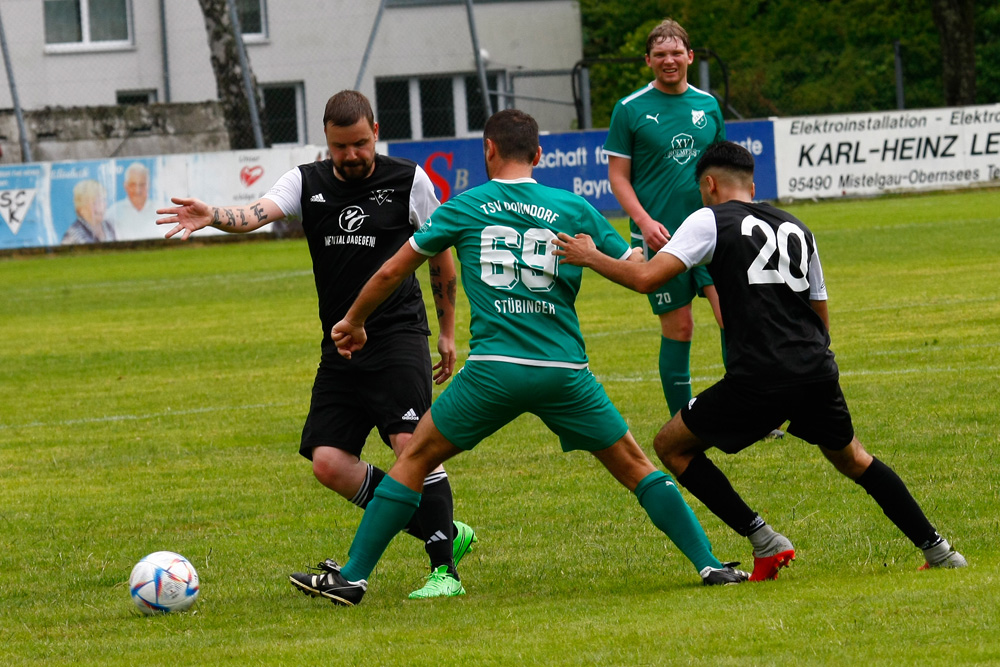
<point>152,399</point>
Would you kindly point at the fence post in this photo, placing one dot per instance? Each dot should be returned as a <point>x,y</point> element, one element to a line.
<point>25,146</point>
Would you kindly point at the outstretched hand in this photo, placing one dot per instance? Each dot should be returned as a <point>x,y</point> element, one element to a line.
<point>188,216</point>
<point>577,250</point>
<point>444,368</point>
<point>349,337</point>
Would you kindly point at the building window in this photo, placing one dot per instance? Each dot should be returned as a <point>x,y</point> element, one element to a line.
<point>437,107</point>
<point>432,107</point>
<point>392,97</point>
<point>87,22</point>
<point>284,120</point>
<point>136,96</point>
<point>253,18</point>
<point>475,113</point>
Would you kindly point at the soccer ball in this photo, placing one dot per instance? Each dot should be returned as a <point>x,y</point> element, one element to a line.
<point>163,581</point>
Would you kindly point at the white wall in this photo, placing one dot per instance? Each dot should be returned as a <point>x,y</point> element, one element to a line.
<point>318,43</point>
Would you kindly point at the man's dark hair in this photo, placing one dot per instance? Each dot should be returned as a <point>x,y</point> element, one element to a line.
<point>514,133</point>
<point>725,155</point>
<point>348,107</point>
<point>667,29</point>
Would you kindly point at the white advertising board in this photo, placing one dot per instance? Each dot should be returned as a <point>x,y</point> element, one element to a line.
<point>894,151</point>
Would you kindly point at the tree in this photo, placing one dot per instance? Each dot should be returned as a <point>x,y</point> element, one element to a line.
<point>229,74</point>
<point>956,23</point>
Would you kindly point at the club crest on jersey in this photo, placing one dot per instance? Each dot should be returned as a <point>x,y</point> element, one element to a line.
<point>682,148</point>
<point>699,119</point>
<point>382,196</point>
<point>351,218</point>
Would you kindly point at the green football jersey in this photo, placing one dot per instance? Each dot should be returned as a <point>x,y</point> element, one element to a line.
<point>664,136</point>
<point>522,301</point>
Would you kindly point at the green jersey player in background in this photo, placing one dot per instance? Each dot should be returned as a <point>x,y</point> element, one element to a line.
<point>526,352</point>
<point>656,136</point>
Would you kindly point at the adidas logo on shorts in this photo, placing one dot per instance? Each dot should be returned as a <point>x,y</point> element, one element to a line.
<point>411,416</point>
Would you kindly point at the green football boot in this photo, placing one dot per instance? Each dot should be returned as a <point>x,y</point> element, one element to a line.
<point>465,537</point>
<point>440,584</point>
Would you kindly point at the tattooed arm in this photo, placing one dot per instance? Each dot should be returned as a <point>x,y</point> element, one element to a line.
<point>444,284</point>
<point>190,215</point>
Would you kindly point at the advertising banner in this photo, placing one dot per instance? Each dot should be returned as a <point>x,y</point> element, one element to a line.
<point>103,201</point>
<point>890,151</point>
<point>24,196</point>
<point>97,201</point>
<point>573,161</point>
<point>757,136</point>
<point>79,194</point>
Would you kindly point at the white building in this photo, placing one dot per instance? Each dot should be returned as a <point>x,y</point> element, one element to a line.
<point>420,75</point>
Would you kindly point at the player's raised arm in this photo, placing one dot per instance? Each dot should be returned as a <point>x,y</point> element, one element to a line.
<point>640,276</point>
<point>349,333</point>
<point>191,214</point>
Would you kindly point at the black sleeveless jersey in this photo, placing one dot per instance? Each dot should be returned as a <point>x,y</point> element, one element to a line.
<point>352,228</point>
<point>763,263</point>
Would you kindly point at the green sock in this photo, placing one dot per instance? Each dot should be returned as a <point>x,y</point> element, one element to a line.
<point>387,514</point>
<point>663,502</point>
<point>675,372</point>
<point>722,340</point>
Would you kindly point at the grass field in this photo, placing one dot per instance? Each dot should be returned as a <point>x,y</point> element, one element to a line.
<point>152,399</point>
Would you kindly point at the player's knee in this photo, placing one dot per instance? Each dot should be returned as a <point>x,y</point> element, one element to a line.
<point>678,324</point>
<point>666,447</point>
<point>675,445</point>
<point>329,469</point>
<point>851,461</point>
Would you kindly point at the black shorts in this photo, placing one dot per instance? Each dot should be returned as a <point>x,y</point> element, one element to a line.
<point>386,386</point>
<point>732,415</point>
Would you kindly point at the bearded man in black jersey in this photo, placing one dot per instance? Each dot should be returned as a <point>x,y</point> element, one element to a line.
<point>357,209</point>
<point>766,268</point>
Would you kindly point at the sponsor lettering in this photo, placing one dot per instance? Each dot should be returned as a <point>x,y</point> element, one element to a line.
<point>523,306</point>
<point>558,158</point>
<point>343,239</point>
<point>532,210</point>
<point>595,188</point>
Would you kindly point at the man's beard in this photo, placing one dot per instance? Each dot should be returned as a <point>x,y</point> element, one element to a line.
<point>354,170</point>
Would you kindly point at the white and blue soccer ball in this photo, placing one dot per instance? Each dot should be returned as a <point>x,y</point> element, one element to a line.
<point>163,581</point>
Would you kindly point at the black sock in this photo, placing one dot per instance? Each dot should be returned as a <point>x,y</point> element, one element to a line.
<point>891,494</point>
<point>367,491</point>
<point>710,486</point>
<point>436,517</point>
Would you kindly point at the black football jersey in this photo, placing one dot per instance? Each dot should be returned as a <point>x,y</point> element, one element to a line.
<point>765,266</point>
<point>352,228</point>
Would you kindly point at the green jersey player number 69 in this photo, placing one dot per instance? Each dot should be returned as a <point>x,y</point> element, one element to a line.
<point>501,269</point>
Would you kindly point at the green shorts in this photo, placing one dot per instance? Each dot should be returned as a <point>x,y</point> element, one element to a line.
<point>679,291</point>
<point>486,395</point>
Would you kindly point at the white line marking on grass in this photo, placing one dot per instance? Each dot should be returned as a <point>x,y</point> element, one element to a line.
<point>911,371</point>
<point>911,225</point>
<point>933,348</point>
<point>126,284</point>
<point>604,334</point>
<point>843,374</point>
<point>922,304</point>
<point>126,418</point>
